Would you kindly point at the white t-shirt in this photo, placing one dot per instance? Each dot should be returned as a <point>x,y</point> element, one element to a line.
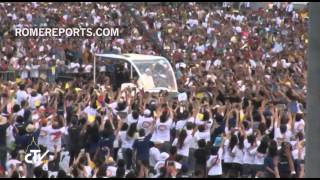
<point>192,22</point>
<point>111,171</point>
<point>44,138</point>
<point>10,136</point>
<point>207,124</point>
<point>146,124</point>
<point>179,125</point>
<point>299,126</point>
<point>131,120</point>
<point>287,135</point>
<point>216,169</point>
<point>289,8</point>
<point>249,131</point>
<point>35,118</point>
<point>193,140</point>
<point>227,152</point>
<point>184,151</point>
<point>217,62</point>
<point>162,131</point>
<point>21,95</point>
<point>239,18</point>
<point>114,106</point>
<point>295,154</point>
<point>20,113</point>
<point>34,71</point>
<point>154,156</point>
<point>29,17</point>
<point>55,136</point>
<point>13,162</point>
<point>239,154</point>
<point>96,19</point>
<point>202,135</point>
<point>278,21</point>
<point>90,111</point>
<point>88,170</point>
<point>248,157</point>
<point>210,30</point>
<point>190,119</point>
<point>277,48</point>
<point>200,48</point>
<point>25,72</point>
<point>33,100</point>
<point>74,67</point>
<point>102,68</point>
<point>64,161</point>
<point>259,158</point>
<point>127,142</point>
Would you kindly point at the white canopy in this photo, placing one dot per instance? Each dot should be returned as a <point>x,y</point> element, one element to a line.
<point>155,72</point>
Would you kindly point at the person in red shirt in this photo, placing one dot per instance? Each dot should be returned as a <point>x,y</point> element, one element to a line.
<point>4,65</point>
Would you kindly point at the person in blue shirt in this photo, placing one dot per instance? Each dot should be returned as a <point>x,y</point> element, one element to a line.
<point>107,137</point>
<point>270,162</point>
<point>23,141</point>
<point>141,148</point>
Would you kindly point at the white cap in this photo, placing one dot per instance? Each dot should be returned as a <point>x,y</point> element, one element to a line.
<point>147,112</point>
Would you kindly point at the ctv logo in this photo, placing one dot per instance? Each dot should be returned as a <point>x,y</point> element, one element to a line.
<point>34,156</point>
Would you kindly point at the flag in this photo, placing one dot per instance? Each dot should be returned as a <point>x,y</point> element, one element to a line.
<point>91,118</point>
<point>200,116</point>
<point>67,86</point>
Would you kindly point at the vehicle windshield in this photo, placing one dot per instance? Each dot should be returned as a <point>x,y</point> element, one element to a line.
<point>156,74</point>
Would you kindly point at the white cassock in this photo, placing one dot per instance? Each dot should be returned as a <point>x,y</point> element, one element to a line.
<point>146,82</point>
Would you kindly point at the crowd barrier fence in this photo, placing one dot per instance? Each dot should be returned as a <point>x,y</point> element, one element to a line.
<point>43,74</point>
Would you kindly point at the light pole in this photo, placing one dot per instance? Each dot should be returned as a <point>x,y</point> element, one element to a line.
<point>312,167</point>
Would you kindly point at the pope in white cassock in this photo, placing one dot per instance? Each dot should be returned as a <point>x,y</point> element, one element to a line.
<point>146,80</point>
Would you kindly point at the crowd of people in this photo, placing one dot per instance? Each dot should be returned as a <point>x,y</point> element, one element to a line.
<point>243,72</point>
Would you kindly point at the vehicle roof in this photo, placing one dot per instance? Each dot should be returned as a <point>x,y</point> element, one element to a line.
<point>130,56</point>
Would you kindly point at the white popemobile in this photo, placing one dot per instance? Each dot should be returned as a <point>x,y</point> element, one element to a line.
<point>154,72</point>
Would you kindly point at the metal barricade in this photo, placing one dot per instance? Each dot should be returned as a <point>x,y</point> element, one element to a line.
<point>46,75</point>
<point>8,75</point>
